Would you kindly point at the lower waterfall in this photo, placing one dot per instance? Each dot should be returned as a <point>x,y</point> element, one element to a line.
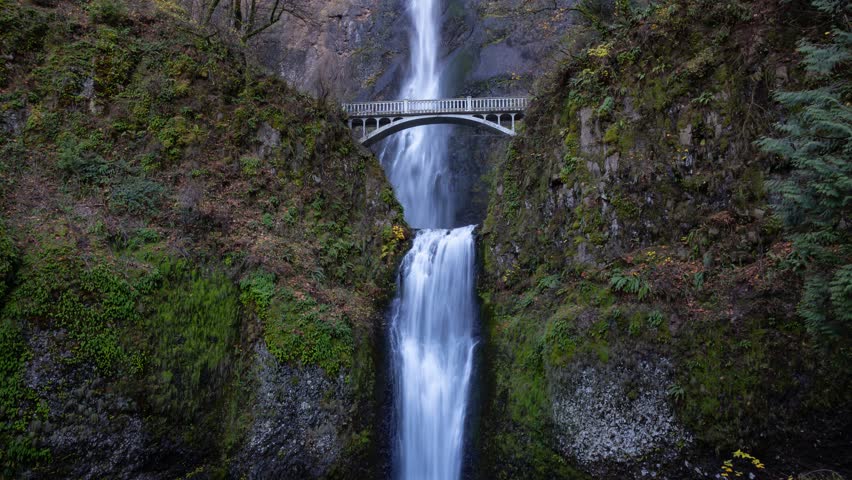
<point>433,347</point>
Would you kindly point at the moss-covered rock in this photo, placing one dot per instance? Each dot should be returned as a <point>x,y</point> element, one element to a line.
<point>632,268</point>
<point>176,214</point>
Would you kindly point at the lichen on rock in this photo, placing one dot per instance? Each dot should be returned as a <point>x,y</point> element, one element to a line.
<point>615,413</point>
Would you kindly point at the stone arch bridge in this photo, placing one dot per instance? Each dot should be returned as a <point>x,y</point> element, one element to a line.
<point>373,121</point>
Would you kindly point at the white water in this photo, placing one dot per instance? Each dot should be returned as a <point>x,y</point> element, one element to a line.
<point>416,159</point>
<point>434,313</point>
<point>433,352</point>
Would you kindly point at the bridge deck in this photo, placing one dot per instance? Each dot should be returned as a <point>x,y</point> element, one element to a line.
<point>446,106</point>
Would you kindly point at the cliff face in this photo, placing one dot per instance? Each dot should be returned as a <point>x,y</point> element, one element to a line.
<point>358,49</point>
<point>346,48</point>
<point>639,318</point>
<point>194,258</point>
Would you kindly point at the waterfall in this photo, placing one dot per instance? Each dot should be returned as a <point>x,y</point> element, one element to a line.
<point>434,313</point>
<point>433,352</point>
<point>416,160</point>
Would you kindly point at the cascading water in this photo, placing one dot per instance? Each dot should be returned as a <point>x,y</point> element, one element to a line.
<point>433,350</point>
<point>416,160</point>
<point>434,313</point>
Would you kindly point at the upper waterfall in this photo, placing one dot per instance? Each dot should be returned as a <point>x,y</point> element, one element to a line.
<point>416,160</point>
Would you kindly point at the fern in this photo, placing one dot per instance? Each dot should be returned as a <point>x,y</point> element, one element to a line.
<point>630,283</point>
<point>815,200</point>
<point>548,282</point>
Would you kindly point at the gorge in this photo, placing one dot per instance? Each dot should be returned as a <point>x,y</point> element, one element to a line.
<point>204,273</point>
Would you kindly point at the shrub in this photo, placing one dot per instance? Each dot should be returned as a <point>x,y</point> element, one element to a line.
<point>80,158</point>
<point>250,165</point>
<point>630,283</point>
<point>114,61</point>
<point>655,319</point>
<point>110,12</point>
<point>174,134</point>
<point>137,195</point>
<point>258,289</point>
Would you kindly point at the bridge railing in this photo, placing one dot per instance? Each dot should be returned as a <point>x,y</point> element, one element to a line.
<point>448,105</point>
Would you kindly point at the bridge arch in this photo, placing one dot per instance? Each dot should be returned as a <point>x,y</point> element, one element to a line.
<point>386,129</point>
<point>378,120</point>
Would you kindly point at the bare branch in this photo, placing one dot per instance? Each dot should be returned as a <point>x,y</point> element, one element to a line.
<point>292,8</point>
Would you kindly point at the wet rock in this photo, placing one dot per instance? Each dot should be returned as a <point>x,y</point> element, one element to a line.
<point>611,165</point>
<point>630,110</point>
<point>111,444</point>
<point>685,135</point>
<point>269,139</point>
<point>587,131</point>
<point>12,122</point>
<point>299,421</point>
<point>88,91</point>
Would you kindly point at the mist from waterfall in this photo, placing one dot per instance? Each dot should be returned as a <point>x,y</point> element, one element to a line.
<point>435,311</point>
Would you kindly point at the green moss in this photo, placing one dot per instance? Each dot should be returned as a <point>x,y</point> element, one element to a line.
<point>22,32</point>
<point>655,94</point>
<point>80,158</point>
<point>626,138</point>
<point>625,208</point>
<point>175,134</point>
<point>593,294</point>
<point>301,330</point>
<point>191,324</point>
<point>591,222</point>
<point>695,183</point>
<point>723,381</point>
<point>612,133</point>
<point>96,315</point>
<point>110,12</point>
<point>114,61</point>
<point>751,187</point>
<point>94,305</point>
<point>560,341</point>
<point>388,196</point>
<point>527,398</point>
<point>568,168</point>
<point>64,71</point>
<point>309,134</point>
<point>337,248</point>
<point>522,456</point>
